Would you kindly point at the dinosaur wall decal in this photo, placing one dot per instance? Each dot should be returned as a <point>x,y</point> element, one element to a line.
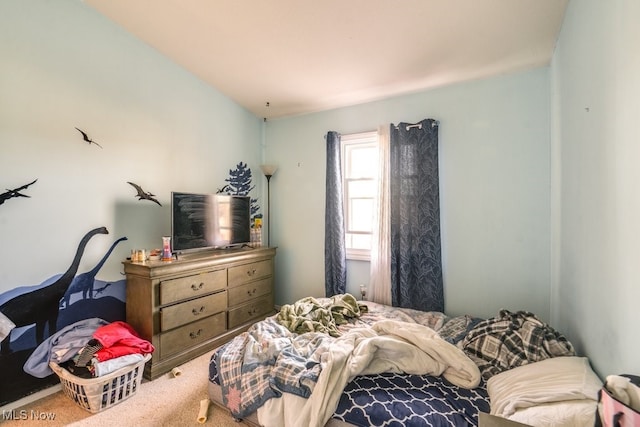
<point>15,192</point>
<point>86,138</point>
<point>84,282</point>
<point>102,289</point>
<point>142,195</point>
<point>41,305</point>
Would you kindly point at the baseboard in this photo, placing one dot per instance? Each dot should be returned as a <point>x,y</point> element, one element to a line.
<point>29,399</point>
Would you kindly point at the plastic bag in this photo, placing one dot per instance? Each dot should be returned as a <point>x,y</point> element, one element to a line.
<point>619,402</point>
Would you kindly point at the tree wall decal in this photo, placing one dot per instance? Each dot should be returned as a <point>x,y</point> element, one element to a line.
<point>239,184</point>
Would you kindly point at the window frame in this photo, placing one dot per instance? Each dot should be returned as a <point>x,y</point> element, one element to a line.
<point>347,143</point>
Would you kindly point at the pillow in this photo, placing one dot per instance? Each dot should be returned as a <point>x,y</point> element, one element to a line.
<point>572,413</point>
<point>544,386</point>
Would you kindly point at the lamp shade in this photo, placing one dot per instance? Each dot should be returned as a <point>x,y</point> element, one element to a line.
<point>269,170</point>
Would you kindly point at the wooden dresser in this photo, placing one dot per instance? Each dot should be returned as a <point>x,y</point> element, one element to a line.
<point>192,305</point>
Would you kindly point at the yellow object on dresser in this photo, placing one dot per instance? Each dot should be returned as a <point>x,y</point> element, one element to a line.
<point>198,302</point>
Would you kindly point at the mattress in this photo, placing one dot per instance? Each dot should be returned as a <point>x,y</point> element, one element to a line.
<point>393,398</point>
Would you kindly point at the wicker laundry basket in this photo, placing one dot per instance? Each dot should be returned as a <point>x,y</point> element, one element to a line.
<point>97,394</point>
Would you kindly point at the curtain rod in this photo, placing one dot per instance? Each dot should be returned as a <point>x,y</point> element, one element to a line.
<point>434,123</point>
<point>419,125</point>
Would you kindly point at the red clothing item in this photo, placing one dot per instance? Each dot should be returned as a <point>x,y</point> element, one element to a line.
<point>119,339</point>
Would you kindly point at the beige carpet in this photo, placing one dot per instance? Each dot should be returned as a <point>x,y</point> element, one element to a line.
<point>165,401</point>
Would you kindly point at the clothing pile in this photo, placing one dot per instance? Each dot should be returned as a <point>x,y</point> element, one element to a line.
<point>89,348</point>
<point>320,315</point>
<point>512,339</point>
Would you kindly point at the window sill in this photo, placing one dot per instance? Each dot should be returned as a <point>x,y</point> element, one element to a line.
<point>358,256</point>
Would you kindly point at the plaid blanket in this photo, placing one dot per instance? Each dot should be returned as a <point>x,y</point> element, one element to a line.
<point>513,339</point>
<point>264,362</point>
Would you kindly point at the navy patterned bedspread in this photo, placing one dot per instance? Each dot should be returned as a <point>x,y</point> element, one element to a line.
<point>397,400</point>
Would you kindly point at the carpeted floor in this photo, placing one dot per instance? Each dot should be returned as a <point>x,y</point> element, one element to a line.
<point>165,401</point>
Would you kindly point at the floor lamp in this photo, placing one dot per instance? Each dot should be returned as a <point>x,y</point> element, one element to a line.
<point>268,171</point>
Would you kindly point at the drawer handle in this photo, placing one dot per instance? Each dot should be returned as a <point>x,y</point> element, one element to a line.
<point>198,287</point>
<point>195,335</point>
<point>251,272</point>
<point>251,293</point>
<point>252,311</point>
<point>198,312</point>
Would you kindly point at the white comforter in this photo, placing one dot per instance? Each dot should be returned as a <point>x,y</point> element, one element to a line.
<point>388,346</point>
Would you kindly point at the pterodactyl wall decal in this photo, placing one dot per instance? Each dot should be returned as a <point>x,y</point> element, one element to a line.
<point>15,192</point>
<point>144,195</point>
<point>86,138</point>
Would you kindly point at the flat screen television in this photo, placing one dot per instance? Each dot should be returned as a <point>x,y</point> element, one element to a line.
<point>209,221</point>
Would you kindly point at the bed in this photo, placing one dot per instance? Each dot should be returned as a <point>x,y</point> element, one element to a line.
<point>339,362</point>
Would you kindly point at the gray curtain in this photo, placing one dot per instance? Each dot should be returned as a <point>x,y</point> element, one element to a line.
<point>416,267</point>
<point>335,252</point>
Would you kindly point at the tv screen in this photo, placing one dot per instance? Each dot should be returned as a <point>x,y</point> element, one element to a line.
<point>203,221</point>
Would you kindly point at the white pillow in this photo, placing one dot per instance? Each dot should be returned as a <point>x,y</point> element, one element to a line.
<point>571,413</point>
<point>569,380</point>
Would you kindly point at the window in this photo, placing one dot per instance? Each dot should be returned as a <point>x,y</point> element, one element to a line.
<point>360,179</point>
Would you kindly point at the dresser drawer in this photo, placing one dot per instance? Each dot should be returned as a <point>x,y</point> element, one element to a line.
<point>192,334</point>
<point>173,290</point>
<point>189,311</point>
<point>245,293</point>
<point>255,308</point>
<point>248,272</point>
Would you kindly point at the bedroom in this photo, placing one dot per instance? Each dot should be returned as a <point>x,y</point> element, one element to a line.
<point>564,248</point>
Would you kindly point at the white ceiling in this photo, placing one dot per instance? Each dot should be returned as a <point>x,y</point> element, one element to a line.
<point>304,56</point>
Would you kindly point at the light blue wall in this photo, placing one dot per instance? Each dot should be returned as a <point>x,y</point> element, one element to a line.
<point>596,209</point>
<point>63,65</point>
<point>539,180</point>
<point>494,166</point>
